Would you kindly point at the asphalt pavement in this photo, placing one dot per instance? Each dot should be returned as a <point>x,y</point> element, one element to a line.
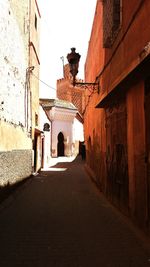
<point>58,218</point>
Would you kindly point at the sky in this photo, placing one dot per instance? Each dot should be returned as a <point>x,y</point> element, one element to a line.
<point>64,24</point>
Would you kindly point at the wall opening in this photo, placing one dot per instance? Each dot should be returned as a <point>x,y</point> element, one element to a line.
<point>60,145</point>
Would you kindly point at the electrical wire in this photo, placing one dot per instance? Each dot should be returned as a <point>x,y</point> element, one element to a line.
<point>65,93</point>
<point>43,82</point>
<point>50,85</point>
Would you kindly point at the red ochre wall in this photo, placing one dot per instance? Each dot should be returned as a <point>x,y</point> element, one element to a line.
<point>130,42</point>
<point>112,66</point>
<point>94,119</point>
<point>136,153</point>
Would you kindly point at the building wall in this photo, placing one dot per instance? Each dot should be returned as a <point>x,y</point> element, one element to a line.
<point>15,145</point>
<point>35,25</point>
<point>95,55</point>
<point>121,70</point>
<point>46,149</point>
<point>78,135</point>
<point>124,55</point>
<point>94,119</point>
<point>34,62</point>
<point>66,127</point>
<point>75,95</point>
<point>66,91</point>
<point>13,70</point>
<point>136,152</point>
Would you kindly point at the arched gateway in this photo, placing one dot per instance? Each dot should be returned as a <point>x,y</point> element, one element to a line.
<point>60,145</point>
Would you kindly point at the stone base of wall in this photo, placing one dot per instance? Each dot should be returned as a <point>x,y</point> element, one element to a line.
<point>15,166</point>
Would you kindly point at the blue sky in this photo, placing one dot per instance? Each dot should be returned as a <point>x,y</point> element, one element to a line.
<point>64,24</point>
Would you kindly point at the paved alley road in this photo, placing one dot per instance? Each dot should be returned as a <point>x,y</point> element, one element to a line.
<point>59,219</point>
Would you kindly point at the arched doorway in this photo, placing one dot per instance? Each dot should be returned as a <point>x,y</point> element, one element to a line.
<point>60,145</point>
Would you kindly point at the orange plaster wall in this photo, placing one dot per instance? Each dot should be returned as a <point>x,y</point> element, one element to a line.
<point>127,55</point>
<point>95,54</point>
<point>136,152</point>
<point>94,119</point>
<point>124,60</point>
<point>94,127</point>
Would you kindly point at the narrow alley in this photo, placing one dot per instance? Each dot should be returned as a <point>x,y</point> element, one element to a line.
<point>60,219</point>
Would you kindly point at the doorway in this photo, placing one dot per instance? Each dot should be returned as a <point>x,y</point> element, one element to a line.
<point>60,145</point>
<point>116,155</point>
<point>35,152</point>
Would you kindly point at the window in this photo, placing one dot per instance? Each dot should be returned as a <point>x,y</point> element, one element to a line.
<point>35,22</point>
<point>46,127</point>
<point>36,119</point>
<point>111,21</point>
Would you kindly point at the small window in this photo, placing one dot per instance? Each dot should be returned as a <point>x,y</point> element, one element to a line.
<point>116,15</point>
<point>111,21</point>
<point>36,119</point>
<point>35,22</point>
<point>46,127</point>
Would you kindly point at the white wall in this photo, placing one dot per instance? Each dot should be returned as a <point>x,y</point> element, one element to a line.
<point>16,144</point>
<point>46,136</point>
<point>13,62</point>
<point>78,131</point>
<point>66,127</point>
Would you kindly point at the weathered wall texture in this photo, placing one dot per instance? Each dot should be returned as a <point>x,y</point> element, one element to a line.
<point>13,137</point>
<point>136,151</point>
<point>117,135</point>
<point>15,165</point>
<point>66,91</point>
<point>34,62</point>
<point>125,53</point>
<point>15,144</point>
<point>14,61</point>
<point>94,119</point>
